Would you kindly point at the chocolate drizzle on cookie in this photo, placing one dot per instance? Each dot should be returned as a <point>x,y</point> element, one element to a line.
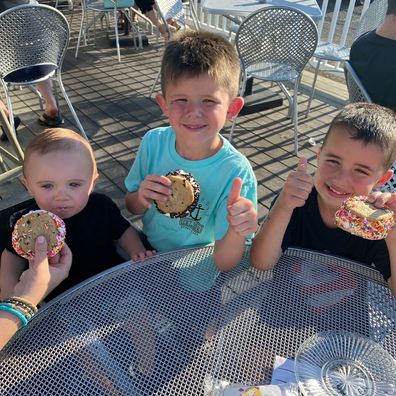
<point>188,207</point>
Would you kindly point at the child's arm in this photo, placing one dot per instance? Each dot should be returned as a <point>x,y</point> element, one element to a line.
<point>380,199</point>
<point>242,219</point>
<point>133,246</point>
<point>11,269</point>
<point>153,187</point>
<point>267,245</point>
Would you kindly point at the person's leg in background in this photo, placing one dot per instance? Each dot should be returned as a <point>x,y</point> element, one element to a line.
<point>147,8</point>
<point>50,117</point>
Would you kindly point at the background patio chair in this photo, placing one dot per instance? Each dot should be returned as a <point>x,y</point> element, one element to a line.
<point>274,44</point>
<point>13,153</point>
<point>356,90</point>
<point>329,51</point>
<point>34,40</point>
<point>169,9</point>
<point>357,93</point>
<point>103,8</point>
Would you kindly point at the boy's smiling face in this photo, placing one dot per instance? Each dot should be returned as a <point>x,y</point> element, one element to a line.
<point>197,109</point>
<point>60,181</point>
<point>347,167</point>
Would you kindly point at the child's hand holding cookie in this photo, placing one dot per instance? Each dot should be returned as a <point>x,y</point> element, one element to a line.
<point>154,188</point>
<point>385,199</point>
<point>242,215</point>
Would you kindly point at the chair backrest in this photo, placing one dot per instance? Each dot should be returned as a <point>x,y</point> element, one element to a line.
<point>277,34</point>
<point>32,35</point>
<point>372,18</point>
<point>171,9</point>
<point>356,90</point>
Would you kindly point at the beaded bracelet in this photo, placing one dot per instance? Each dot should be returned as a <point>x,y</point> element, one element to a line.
<point>20,315</point>
<point>27,308</point>
<point>24,301</point>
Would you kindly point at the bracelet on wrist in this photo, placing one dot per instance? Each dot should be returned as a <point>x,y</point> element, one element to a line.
<point>18,314</point>
<point>19,307</point>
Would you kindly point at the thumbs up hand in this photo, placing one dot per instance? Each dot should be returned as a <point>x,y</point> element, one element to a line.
<point>297,187</point>
<point>242,215</point>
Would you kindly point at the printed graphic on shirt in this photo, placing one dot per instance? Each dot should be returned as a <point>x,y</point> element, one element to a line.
<point>193,220</point>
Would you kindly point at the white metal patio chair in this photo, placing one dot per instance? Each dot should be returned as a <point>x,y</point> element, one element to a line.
<point>169,9</point>
<point>100,9</point>
<point>356,90</point>
<point>274,44</point>
<point>357,93</point>
<point>34,40</point>
<point>329,51</point>
<point>13,153</point>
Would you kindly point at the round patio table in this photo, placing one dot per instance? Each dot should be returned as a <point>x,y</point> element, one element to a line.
<point>166,325</point>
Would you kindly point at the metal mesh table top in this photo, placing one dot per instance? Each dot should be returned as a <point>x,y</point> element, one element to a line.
<point>161,326</point>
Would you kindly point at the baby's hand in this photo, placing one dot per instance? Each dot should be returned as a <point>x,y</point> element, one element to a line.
<point>142,255</point>
<point>297,187</point>
<point>242,215</point>
<point>154,187</point>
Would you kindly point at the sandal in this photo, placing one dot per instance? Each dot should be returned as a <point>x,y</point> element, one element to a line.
<point>3,136</point>
<point>51,122</point>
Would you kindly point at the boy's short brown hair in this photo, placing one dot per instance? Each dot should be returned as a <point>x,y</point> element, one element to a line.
<point>369,123</point>
<point>58,139</point>
<point>191,54</point>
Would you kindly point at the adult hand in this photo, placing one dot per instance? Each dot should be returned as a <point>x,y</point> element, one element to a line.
<point>242,215</point>
<point>42,277</point>
<point>297,187</point>
<point>154,187</point>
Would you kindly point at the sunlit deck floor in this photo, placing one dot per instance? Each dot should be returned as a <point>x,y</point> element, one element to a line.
<point>112,102</point>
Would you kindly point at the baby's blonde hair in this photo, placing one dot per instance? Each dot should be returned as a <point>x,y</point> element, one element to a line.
<point>59,139</point>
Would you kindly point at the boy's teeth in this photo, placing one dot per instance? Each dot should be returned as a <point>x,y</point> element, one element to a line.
<point>337,192</point>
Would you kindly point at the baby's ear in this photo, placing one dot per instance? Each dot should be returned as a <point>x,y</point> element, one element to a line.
<point>384,178</point>
<point>234,108</point>
<point>26,184</point>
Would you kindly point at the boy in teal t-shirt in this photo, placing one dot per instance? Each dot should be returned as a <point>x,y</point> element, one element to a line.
<point>200,76</point>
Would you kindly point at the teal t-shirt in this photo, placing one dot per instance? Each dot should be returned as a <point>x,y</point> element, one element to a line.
<point>207,223</point>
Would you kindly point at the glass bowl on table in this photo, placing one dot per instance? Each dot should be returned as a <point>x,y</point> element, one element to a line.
<point>333,363</point>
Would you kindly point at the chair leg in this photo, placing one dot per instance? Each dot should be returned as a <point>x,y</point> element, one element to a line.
<point>116,33</point>
<point>62,88</point>
<point>194,15</point>
<point>241,92</point>
<point>135,31</point>
<point>10,111</point>
<point>38,94</point>
<point>289,99</point>
<point>155,83</point>
<point>313,87</point>
<point>295,115</point>
<point>81,31</point>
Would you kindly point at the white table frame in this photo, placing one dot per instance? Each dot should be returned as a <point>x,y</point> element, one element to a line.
<point>242,8</point>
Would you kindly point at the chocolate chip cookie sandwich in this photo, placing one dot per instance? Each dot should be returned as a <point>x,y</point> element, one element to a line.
<point>184,197</point>
<point>34,224</point>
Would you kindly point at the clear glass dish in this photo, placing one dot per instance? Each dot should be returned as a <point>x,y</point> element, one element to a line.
<point>333,363</point>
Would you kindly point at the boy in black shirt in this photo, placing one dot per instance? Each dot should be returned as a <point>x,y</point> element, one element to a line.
<point>60,173</point>
<point>355,158</point>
